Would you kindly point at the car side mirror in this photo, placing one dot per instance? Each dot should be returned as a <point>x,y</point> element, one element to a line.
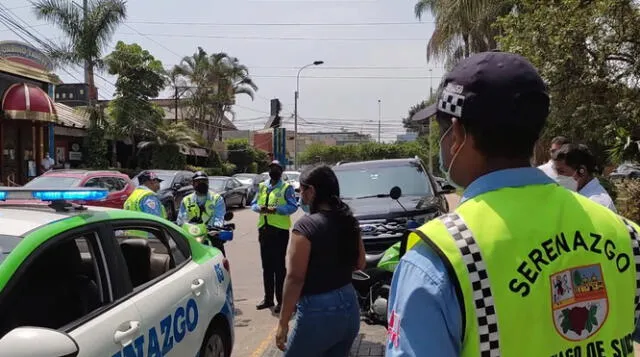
<point>176,186</point>
<point>395,193</point>
<point>228,216</point>
<point>447,188</point>
<point>38,342</point>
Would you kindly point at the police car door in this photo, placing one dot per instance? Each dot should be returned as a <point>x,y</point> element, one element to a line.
<point>173,294</point>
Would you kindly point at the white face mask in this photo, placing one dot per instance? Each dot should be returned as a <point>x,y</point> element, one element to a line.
<point>567,182</point>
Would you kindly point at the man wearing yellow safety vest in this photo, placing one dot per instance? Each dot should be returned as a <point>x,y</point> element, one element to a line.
<point>522,267</point>
<point>275,202</point>
<point>202,205</point>
<point>144,197</point>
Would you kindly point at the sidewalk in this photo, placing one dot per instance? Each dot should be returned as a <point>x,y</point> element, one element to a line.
<point>369,343</point>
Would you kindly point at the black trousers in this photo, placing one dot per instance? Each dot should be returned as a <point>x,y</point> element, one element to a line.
<point>273,251</point>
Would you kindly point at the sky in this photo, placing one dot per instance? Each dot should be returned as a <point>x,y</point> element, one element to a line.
<point>372,50</point>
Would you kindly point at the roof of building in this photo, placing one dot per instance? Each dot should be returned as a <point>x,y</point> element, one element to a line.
<point>72,117</point>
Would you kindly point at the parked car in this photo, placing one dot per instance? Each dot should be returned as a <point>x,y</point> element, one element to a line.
<point>365,186</point>
<point>118,184</point>
<point>175,185</point>
<point>83,283</point>
<point>626,170</point>
<point>251,181</point>
<point>233,192</point>
<point>293,177</point>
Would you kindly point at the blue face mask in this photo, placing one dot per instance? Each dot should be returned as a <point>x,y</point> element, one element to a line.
<point>304,207</point>
<point>447,170</point>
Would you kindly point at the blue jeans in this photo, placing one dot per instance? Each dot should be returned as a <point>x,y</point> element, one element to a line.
<point>326,324</point>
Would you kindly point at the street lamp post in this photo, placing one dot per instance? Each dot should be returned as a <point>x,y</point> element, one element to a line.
<point>295,113</point>
<point>379,119</point>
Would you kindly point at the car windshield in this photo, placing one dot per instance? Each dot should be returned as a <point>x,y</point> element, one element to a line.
<point>378,181</point>
<point>217,184</point>
<point>51,181</point>
<point>245,180</point>
<point>293,176</point>
<point>7,243</point>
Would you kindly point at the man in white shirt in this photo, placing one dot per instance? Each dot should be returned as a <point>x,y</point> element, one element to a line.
<point>576,168</point>
<point>47,162</point>
<point>547,167</point>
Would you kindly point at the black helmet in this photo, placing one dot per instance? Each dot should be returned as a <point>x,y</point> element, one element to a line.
<point>199,175</point>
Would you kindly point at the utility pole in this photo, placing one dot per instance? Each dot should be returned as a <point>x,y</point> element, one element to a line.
<point>295,113</point>
<point>176,102</point>
<point>379,119</point>
<point>429,123</point>
<point>85,10</point>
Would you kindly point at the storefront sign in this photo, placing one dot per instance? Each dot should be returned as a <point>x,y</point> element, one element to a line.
<point>25,54</point>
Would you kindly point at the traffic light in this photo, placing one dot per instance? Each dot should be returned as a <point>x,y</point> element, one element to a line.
<point>275,119</point>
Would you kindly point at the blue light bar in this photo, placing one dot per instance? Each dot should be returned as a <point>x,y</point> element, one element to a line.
<point>70,194</point>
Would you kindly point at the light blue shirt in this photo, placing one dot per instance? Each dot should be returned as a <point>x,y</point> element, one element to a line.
<point>219,210</point>
<point>151,203</point>
<point>423,299</point>
<point>289,195</point>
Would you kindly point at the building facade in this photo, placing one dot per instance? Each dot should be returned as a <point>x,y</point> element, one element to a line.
<point>29,117</point>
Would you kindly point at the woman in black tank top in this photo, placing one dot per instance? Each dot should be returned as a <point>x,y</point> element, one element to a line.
<point>325,248</point>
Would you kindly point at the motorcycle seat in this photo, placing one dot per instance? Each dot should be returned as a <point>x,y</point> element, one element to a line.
<point>373,259</point>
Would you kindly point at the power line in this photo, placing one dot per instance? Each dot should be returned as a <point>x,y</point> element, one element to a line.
<point>277,38</point>
<point>353,67</point>
<point>189,23</point>
<point>347,77</point>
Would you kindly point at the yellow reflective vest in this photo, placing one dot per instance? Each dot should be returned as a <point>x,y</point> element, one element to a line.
<point>274,198</point>
<point>554,280</point>
<point>193,209</point>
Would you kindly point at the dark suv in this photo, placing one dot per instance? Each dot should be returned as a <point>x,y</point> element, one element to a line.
<point>365,186</point>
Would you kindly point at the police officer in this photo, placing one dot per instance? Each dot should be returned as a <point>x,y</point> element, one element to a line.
<point>202,205</point>
<point>522,267</point>
<point>144,197</point>
<point>275,202</point>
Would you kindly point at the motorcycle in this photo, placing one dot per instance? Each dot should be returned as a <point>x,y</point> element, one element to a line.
<point>374,283</point>
<point>212,236</point>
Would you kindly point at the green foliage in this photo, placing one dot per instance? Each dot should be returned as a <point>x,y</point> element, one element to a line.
<point>214,159</point>
<point>210,171</point>
<point>95,143</point>
<point>589,53</point>
<point>244,156</point>
<point>628,198</point>
<point>228,168</point>
<point>140,77</point>
<point>167,157</point>
<point>86,35</point>
<point>319,153</point>
<point>214,81</point>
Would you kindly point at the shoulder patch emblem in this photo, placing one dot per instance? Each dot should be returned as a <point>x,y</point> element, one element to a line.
<point>579,301</point>
<point>151,204</point>
<point>393,331</point>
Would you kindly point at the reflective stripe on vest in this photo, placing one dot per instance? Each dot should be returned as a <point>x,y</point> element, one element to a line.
<point>276,199</point>
<point>193,209</point>
<point>530,288</point>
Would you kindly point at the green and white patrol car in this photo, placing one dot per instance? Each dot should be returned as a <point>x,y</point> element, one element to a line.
<point>79,281</point>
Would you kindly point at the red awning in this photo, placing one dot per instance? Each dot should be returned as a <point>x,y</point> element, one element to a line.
<point>27,102</point>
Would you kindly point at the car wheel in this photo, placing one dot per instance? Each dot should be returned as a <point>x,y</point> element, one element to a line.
<point>215,344</point>
<point>242,202</point>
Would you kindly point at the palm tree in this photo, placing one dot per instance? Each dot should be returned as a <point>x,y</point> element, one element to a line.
<point>462,27</point>
<point>88,31</point>
<point>179,135</point>
<point>215,81</point>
